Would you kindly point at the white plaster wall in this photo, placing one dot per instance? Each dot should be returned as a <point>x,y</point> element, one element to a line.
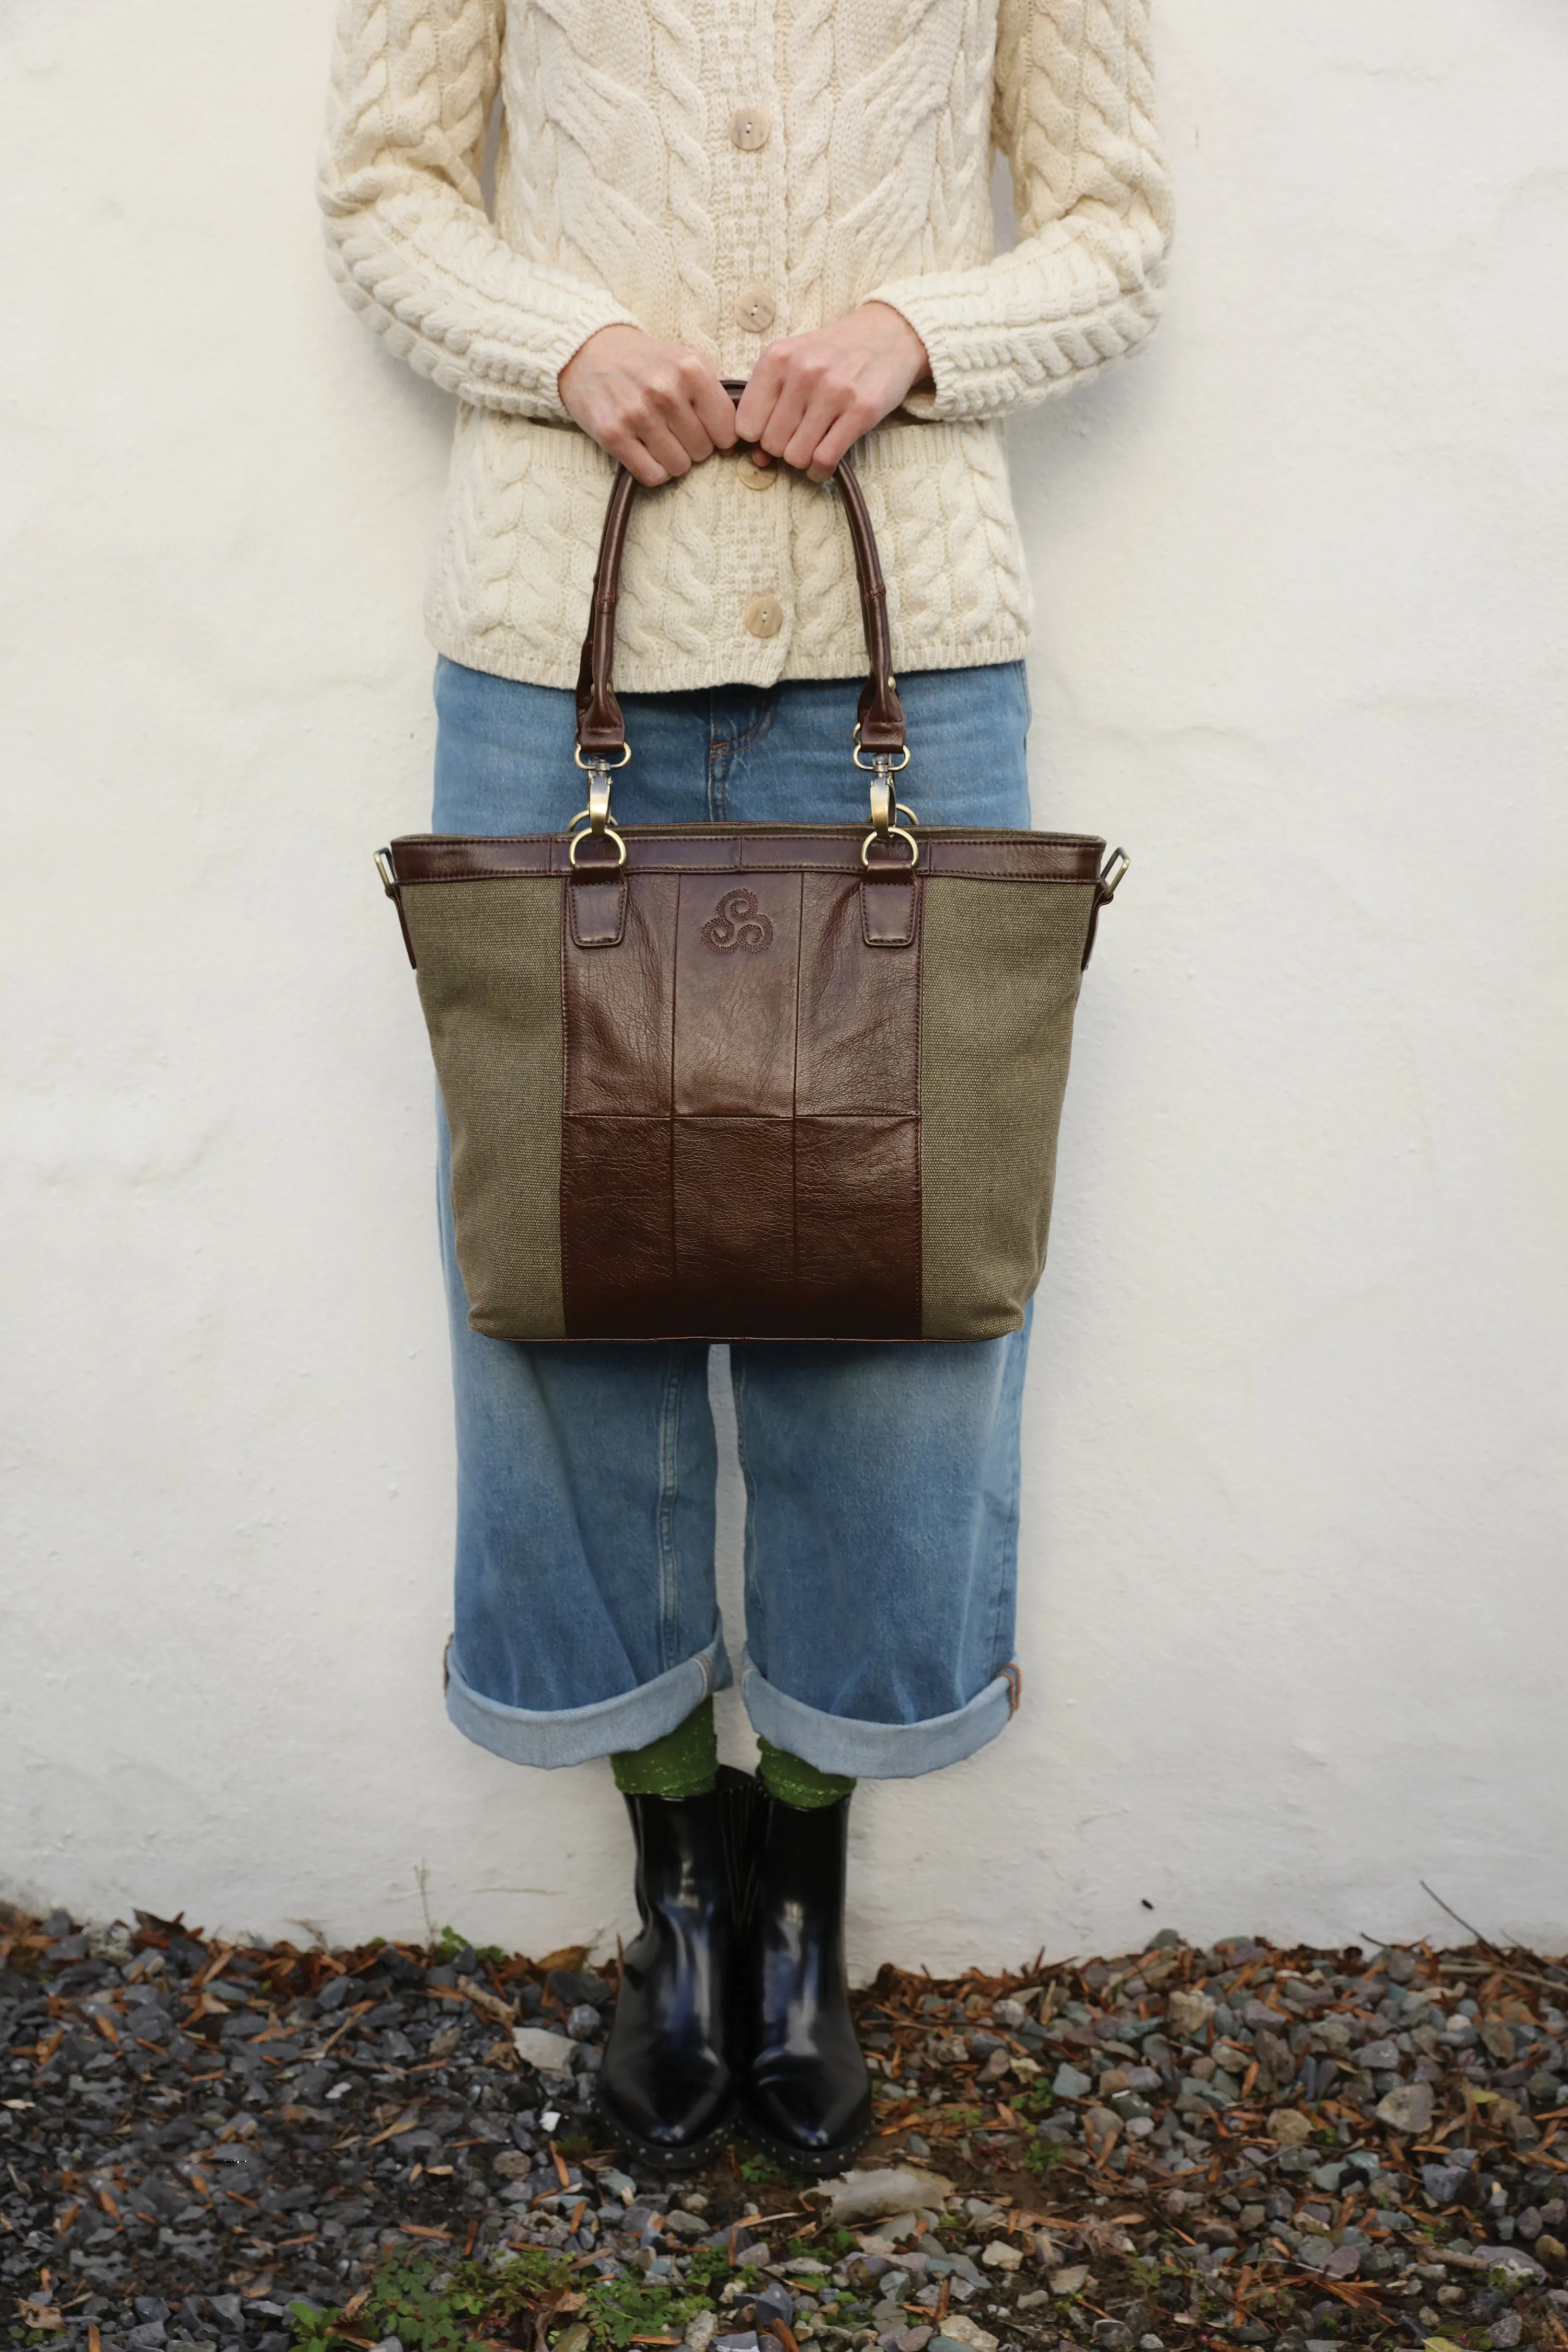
<point>1295,1594</point>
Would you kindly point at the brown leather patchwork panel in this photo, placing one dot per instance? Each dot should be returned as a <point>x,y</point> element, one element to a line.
<point>766,1183</point>
<point>859,1018</point>
<point>857,1225</point>
<point>735,960</point>
<point>620,1007</point>
<point>734,1225</point>
<point>618,1247</point>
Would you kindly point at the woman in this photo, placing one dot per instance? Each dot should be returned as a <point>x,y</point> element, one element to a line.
<point>795,194</point>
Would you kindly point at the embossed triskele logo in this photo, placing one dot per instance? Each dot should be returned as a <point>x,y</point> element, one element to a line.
<point>735,923</point>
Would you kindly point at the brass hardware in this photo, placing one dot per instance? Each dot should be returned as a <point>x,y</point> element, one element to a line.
<point>1112,872</point>
<point>896,766</point>
<point>609,834</point>
<point>594,759</point>
<point>903,834</point>
<point>385,869</point>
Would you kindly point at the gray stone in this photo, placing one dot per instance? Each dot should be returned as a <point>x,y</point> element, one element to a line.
<point>1407,2110</point>
<point>583,2021</point>
<point>1512,2261</point>
<point>1189,2013</point>
<point>1379,2055</point>
<point>1069,2084</point>
<point>551,2053</point>
<point>572,1986</point>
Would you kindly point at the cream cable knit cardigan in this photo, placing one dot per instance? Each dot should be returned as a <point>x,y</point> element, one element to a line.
<point>717,172</point>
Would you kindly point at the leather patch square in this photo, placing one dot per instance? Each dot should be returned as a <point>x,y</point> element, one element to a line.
<point>618,1255</point>
<point>620,1007</point>
<point>737,951</point>
<point>735,1222</point>
<point>857,1224</point>
<point>858,1052</point>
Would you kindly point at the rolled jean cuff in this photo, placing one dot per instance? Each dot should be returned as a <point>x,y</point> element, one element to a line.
<point>575,1735</point>
<point>876,1751</point>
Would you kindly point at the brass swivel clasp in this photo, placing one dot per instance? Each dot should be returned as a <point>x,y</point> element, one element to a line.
<point>886,805</point>
<point>596,815</point>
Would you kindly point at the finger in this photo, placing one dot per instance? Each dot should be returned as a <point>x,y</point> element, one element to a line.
<point>696,408</point>
<point>667,449</point>
<point>841,435</point>
<point>825,407</point>
<point>784,417</point>
<point>638,461</point>
<point>666,410</point>
<point>715,409</point>
<point>761,390</point>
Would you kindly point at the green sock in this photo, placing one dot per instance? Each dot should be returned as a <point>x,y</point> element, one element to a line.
<point>684,1763</point>
<point>793,1781</point>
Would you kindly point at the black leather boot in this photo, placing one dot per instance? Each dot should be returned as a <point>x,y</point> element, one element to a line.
<point>667,2087</point>
<point>808,2095</point>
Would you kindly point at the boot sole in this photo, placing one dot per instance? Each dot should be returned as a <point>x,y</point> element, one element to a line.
<point>665,2160</point>
<point>819,2163</point>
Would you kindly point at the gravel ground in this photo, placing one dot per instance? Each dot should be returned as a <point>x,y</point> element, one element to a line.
<point>1185,2147</point>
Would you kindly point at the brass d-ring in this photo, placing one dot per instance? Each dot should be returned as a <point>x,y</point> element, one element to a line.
<point>594,760</point>
<point>609,834</point>
<point>880,759</point>
<point>904,835</point>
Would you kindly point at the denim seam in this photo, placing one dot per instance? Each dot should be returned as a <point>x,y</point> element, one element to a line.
<point>722,751</point>
<point>1007,1537</point>
<point>756,1612</point>
<point>668,1497</point>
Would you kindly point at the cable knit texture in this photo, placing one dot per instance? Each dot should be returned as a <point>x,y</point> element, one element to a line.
<point>622,193</point>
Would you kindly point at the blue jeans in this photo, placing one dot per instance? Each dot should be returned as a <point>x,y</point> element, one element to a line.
<point>881,1479</point>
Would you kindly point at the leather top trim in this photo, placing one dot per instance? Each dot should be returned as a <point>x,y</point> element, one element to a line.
<point>975,856</point>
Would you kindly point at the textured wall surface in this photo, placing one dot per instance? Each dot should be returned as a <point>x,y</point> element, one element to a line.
<point>1295,1602</point>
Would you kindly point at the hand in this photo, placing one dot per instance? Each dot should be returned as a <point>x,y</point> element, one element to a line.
<point>659,407</point>
<point>810,396</point>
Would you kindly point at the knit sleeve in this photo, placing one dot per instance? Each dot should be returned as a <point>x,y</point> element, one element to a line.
<point>408,237</point>
<point>1073,113</point>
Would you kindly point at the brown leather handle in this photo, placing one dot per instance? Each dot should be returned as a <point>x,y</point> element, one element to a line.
<point>601,728</point>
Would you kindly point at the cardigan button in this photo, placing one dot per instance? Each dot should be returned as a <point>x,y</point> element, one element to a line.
<point>755,477</point>
<point>755,308</point>
<point>749,128</point>
<point>764,616</point>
